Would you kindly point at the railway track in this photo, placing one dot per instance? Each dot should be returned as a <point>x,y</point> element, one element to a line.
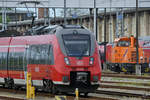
<point>125,87</point>
<point>112,89</point>
<point>9,98</point>
<point>11,94</point>
<point>125,76</point>
<point>124,83</point>
<point>118,93</point>
<point>71,96</point>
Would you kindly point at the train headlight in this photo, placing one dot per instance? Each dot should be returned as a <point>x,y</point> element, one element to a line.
<point>65,79</point>
<point>91,62</point>
<point>95,78</point>
<point>67,61</point>
<point>141,58</point>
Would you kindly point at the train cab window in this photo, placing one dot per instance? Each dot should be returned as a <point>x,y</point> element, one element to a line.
<point>77,45</point>
<point>123,43</point>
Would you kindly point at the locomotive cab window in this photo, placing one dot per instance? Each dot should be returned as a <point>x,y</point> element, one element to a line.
<point>77,45</point>
<point>123,44</point>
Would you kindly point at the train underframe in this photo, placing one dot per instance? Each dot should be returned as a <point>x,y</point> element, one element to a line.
<point>81,81</point>
<point>128,67</point>
<point>48,86</point>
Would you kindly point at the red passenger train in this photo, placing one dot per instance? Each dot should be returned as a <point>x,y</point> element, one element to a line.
<point>60,59</point>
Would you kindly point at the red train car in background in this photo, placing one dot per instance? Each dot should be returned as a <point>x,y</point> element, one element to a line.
<point>144,43</point>
<point>102,53</point>
<point>60,59</point>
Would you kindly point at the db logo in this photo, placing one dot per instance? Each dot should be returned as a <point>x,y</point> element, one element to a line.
<point>80,63</point>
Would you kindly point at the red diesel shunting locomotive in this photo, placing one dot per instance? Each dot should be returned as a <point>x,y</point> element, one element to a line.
<point>63,58</point>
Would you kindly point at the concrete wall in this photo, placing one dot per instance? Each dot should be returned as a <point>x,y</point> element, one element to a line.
<point>129,24</point>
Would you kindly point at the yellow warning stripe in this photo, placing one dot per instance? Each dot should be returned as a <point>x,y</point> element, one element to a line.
<point>60,97</point>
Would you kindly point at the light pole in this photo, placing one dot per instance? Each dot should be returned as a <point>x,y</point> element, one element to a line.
<point>138,66</point>
<point>110,28</point>
<point>95,20</point>
<point>105,35</point>
<point>137,25</point>
<point>65,21</point>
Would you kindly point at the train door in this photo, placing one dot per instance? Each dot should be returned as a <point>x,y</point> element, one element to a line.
<point>39,62</point>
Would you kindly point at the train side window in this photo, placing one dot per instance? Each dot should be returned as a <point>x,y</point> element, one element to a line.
<point>34,54</point>
<point>31,55</point>
<point>4,61</point>
<point>51,56</point>
<point>11,61</point>
<point>25,59</point>
<point>37,54</point>
<point>41,54</point>
<point>0,60</point>
<point>20,58</point>
<point>15,60</point>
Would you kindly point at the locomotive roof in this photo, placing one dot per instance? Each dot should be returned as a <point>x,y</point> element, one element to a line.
<point>9,33</point>
<point>122,38</point>
<point>52,29</point>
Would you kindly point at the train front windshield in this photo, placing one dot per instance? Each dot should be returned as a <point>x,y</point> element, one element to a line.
<point>123,43</point>
<point>77,45</point>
